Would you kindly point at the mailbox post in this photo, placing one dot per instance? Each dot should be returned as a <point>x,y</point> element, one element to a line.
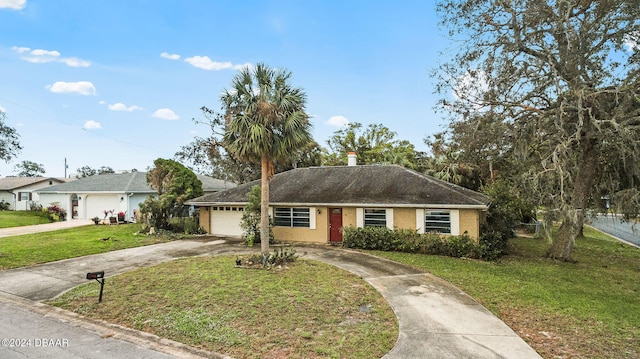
<point>99,277</point>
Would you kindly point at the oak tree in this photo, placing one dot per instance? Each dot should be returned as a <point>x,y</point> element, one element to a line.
<point>561,81</point>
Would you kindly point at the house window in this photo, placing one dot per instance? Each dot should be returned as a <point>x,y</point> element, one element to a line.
<point>375,217</point>
<point>437,221</point>
<point>24,196</point>
<point>291,217</point>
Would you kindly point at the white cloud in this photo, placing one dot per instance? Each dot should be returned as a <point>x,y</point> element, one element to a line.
<point>92,125</point>
<point>75,62</point>
<point>102,102</point>
<point>80,87</point>
<point>165,114</point>
<point>41,52</point>
<point>204,62</point>
<point>41,56</point>
<point>337,121</point>
<point>2,109</point>
<point>20,49</point>
<point>122,107</point>
<point>169,56</point>
<point>13,4</point>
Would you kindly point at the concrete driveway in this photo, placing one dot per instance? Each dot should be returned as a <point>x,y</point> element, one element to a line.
<point>436,319</point>
<point>47,227</point>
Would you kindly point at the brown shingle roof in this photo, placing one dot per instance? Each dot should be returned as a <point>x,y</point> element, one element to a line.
<point>371,185</point>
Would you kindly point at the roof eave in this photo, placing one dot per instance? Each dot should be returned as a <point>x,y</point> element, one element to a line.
<point>359,205</point>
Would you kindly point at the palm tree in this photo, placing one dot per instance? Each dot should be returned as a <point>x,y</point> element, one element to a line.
<point>265,122</point>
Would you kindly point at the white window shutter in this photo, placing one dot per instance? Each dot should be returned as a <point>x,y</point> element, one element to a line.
<point>312,217</point>
<point>389,217</point>
<point>359,217</point>
<point>420,220</point>
<point>455,222</point>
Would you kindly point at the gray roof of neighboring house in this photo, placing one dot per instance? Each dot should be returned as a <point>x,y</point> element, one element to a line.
<point>11,183</point>
<point>132,182</point>
<point>351,185</point>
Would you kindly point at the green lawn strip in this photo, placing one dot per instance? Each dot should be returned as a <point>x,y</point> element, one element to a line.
<point>306,310</point>
<point>29,249</point>
<point>10,219</point>
<point>585,309</point>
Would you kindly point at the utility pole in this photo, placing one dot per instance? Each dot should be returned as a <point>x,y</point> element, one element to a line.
<point>65,167</point>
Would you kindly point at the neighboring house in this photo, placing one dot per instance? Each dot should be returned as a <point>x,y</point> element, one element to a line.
<point>89,197</point>
<point>313,204</point>
<point>19,191</point>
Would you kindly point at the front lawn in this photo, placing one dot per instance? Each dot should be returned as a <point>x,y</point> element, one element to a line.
<point>307,309</point>
<point>29,249</point>
<point>588,309</point>
<point>22,218</point>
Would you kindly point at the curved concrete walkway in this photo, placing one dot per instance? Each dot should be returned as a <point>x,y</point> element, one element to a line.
<point>436,319</point>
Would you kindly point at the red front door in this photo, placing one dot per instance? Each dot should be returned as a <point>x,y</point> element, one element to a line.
<point>335,225</point>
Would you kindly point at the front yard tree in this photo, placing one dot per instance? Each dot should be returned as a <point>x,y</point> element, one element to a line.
<point>104,170</point>
<point>562,79</point>
<point>85,171</point>
<point>29,169</point>
<point>374,144</point>
<point>265,121</point>
<point>175,184</point>
<point>9,143</point>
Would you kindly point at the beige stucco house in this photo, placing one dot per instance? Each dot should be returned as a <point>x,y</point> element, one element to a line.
<point>313,204</point>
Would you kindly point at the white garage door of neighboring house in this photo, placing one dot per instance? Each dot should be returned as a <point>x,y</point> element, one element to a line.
<point>225,221</point>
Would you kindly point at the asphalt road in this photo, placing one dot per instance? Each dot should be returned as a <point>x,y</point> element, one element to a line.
<point>626,231</point>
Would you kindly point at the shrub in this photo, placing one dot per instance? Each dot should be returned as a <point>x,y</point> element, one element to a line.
<point>56,213</point>
<point>489,247</point>
<point>267,260</point>
<point>4,205</point>
<point>373,238</point>
<point>493,245</point>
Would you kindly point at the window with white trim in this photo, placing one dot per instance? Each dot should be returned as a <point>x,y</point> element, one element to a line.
<point>438,221</point>
<point>374,217</point>
<point>291,217</point>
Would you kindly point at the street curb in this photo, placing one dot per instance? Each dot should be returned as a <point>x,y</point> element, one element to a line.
<point>108,330</point>
<point>614,237</point>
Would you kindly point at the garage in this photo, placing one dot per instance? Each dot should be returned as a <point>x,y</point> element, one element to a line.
<point>225,220</point>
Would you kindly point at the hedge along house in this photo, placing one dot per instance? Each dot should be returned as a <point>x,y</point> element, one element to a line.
<point>313,204</point>
<point>89,197</point>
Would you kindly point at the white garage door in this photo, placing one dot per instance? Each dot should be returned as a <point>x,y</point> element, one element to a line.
<point>225,221</point>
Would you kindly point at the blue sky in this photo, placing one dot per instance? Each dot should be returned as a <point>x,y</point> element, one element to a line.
<point>117,83</point>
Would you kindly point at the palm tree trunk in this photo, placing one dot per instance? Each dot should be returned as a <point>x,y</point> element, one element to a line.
<point>264,205</point>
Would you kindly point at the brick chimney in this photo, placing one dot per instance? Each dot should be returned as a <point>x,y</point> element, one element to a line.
<point>352,159</point>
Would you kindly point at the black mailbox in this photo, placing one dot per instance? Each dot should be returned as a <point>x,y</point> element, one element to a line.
<point>99,277</point>
<point>95,275</point>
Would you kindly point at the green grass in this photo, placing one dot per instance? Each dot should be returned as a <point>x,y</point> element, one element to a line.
<point>587,309</point>
<point>22,218</point>
<point>306,310</point>
<point>30,249</point>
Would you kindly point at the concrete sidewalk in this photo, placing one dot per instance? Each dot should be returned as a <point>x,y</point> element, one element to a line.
<point>436,319</point>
